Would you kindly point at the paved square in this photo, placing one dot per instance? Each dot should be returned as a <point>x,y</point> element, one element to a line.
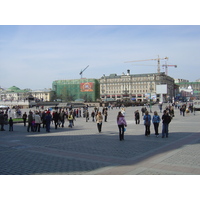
<point>82,150</point>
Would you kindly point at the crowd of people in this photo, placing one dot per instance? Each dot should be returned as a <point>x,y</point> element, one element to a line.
<point>35,120</point>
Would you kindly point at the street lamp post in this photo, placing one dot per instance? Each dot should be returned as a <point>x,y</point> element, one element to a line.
<point>126,92</point>
<point>151,89</point>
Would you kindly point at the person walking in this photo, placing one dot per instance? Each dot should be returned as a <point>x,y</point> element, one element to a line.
<point>56,118</point>
<point>62,117</point>
<point>121,122</point>
<point>183,109</point>
<point>86,115</point>
<point>143,110</point>
<point>137,117</point>
<point>43,118</point>
<point>38,122</point>
<point>99,120</point>
<point>70,119</point>
<point>93,115</point>
<point>156,121</point>
<point>166,119</point>
<point>2,120</point>
<point>24,117</point>
<point>30,120</point>
<point>147,123</point>
<point>10,122</point>
<point>105,114</point>
<point>48,119</point>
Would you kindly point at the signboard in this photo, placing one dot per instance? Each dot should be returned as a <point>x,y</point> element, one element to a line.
<point>86,87</point>
<point>150,96</point>
<point>161,89</point>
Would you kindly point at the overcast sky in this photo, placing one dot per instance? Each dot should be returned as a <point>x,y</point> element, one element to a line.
<point>33,56</point>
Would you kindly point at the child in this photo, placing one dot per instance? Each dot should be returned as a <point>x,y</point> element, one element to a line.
<point>10,124</point>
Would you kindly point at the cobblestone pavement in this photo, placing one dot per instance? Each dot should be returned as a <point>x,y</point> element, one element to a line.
<point>81,150</point>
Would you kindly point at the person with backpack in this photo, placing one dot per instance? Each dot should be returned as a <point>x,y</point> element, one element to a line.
<point>156,121</point>
<point>166,119</point>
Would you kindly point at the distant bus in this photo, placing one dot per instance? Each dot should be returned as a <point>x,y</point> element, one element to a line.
<point>196,104</point>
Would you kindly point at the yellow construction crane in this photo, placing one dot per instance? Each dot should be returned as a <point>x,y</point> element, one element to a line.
<point>166,68</point>
<point>158,59</point>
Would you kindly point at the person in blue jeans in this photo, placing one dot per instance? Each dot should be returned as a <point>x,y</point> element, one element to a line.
<point>147,123</point>
<point>156,121</point>
<point>166,119</point>
<point>121,122</point>
<point>48,121</point>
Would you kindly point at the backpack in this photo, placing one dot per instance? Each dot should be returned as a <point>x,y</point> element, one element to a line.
<point>168,119</point>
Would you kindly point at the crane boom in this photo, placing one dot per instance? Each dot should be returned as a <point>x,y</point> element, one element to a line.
<point>166,68</point>
<point>158,59</point>
<point>83,71</point>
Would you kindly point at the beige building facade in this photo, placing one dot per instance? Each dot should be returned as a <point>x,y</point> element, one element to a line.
<point>138,87</point>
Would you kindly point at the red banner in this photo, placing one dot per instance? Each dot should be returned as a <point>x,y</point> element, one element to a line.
<point>86,87</point>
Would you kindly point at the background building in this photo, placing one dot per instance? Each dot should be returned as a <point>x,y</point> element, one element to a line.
<point>16,94</point>
<point>189,90</point>
<point>138,87</point>
<point>77,89</point>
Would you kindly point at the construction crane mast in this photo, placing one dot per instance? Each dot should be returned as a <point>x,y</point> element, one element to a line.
<point>158,59</point>
<point>166,68</point>
<point>83,71</point>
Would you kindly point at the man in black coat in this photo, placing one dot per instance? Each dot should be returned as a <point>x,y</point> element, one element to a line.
<point>2,121</point>
<point>166,120</point>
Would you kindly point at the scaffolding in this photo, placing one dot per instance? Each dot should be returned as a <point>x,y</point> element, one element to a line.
<point>70,90</point>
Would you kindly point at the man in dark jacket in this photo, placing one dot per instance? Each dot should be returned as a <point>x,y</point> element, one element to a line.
<point>166,120</point>
<point>30,121</point>
<point>137,117</point>
<point>2,121</point>
<point>56,117</point>
<point>62,117</point>
<point>48,121</point>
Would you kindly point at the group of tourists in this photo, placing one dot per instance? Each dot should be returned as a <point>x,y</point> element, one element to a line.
<point>5,120</point>
<point>35,120</point>
<point>166,119</point>
<point>156,119</point>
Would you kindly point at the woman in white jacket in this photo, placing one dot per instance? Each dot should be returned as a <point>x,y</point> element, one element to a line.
<point>38,121</point>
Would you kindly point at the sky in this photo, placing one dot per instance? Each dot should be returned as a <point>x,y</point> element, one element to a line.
<point>41,41</point>
<point>33,56</point>
<point>44,40</point>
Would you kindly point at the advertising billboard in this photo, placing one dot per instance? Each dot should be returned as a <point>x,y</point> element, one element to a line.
<point>86,87</point>
<point>161,89</point>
